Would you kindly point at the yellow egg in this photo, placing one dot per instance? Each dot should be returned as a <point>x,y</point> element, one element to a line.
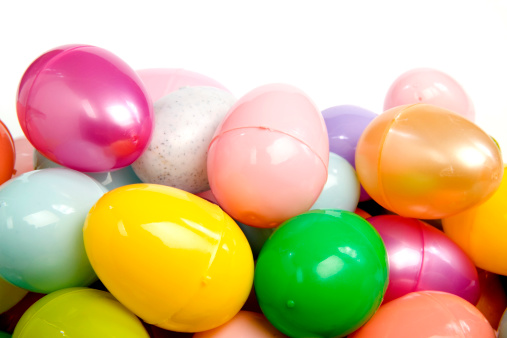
<point>174,259</point>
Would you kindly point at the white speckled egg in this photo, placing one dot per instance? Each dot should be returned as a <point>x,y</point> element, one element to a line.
<point>185,121</point>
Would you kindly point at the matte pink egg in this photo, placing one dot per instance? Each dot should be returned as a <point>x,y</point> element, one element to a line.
<point>85,108</point>
<point>268,159</point>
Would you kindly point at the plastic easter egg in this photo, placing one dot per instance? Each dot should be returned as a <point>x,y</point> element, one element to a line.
<point>41,239</point>
<point>422,257</point>
<point>432,86</point>
<point>188,265</point>
<point>268,159</point>
<point>24,156</point>
<point>345,124</point>
<point>84,108</point>
<point>321,274</point>
<point>4,335</point>
<point>186,120</point>
<point>426,162</point>
<point>493,300</point>
<point>426,314</point>
<point>245,324</point>
<point>79,313</point>
<point>109,179</point>
<point>341,190</point>
<point>7,153</point>
<point>481,231</point>
<point>161,81</point>
<point>10,295</point>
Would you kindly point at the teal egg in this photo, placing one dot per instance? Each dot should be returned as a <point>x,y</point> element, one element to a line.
<point>42,214</point>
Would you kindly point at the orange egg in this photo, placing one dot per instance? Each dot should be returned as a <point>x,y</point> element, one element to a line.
<point>7,154</point>
<point>423,161</point>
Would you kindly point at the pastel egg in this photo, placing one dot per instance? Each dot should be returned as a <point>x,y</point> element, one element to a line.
<point>84,108</point>
<point>345,124</point>
<point>426,314</point>
<point>342,188</point>
<point>24,156</point>
<point>174,259</point>
<point>185,121</point>
<point>161,81</point>
<point>423,161</point>
<point>432,86</point>
<point>268,159</point>
<point>422,257</point>
<point>41,239</point>
<point>79,313</point>
<point>109,179</point>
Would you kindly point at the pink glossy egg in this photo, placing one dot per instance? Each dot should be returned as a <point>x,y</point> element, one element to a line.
<point>24,156</point>
<point>421,257</point>
<point>267,161</point>
<point>84,108</point>
<point>161,81</point>
<point>427,85</point>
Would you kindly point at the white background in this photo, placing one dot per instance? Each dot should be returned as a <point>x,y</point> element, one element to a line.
<point>338,52</point>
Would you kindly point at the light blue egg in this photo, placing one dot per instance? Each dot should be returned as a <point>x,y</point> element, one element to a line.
<point>109,179</point>
<point>342,188</point>
<point>42,214</point>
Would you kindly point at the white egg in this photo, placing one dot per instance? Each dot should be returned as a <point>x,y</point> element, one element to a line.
<point>185,121</point>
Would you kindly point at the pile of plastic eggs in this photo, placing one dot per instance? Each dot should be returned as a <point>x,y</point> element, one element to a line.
<point>154,203</point>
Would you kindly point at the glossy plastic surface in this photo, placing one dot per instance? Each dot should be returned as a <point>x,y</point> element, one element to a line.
<point>161,81</point>
<point>481,231</point>
<point>174,259</point>
<point>342,188</point>
<point>109,179</point>
<point>41,239</point>
<point>426,314</point>
<point>422,257</point>
<point>345,124</point>
<point>321,274</point>
<point>10,295</point>
<point>282,108</point>
<point>84,108</point>
<point>186,120</point>
<point>245,324</point>
<point>268,159</point>
<point>79,313</point>
<point>7,153</point>
<point>4,335</point>
<point>262,178</point>
<point>24,156</point>
<point>493,300</point>
<point>422,161</point>
<point>427,85</point>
